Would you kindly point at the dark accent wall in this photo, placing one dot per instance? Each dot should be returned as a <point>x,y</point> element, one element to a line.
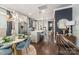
<point>60,14</point>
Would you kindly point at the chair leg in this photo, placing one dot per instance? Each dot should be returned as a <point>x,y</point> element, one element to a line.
<point>14,49</point>
<point>27,49</point>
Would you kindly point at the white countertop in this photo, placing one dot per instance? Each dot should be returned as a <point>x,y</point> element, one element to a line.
<point>38,31</point>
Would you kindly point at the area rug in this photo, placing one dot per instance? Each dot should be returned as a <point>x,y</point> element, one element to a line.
<point>29,51</point>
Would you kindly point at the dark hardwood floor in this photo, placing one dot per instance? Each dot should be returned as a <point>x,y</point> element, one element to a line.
<point>45,48</point>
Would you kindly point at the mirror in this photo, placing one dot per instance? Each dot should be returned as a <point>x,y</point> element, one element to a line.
<point>3,25</point>
<point>61,24</point>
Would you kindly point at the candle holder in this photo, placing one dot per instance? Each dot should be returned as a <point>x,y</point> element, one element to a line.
<point>69,24</point>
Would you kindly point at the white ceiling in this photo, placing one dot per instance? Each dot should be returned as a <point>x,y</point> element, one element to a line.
<point>32,9</point>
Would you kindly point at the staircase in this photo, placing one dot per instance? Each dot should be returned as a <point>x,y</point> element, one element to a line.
<point>65,47</point>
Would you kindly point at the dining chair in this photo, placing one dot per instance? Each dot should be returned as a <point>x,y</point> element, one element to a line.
<point>23,44</point>
<point>6,50</point>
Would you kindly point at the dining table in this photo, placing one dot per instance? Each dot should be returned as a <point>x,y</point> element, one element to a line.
<point>13,43</point>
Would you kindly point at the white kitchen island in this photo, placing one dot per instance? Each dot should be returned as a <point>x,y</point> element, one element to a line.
<point>35,35</point>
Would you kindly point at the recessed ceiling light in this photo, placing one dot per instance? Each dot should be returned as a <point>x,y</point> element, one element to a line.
<point>43,11</point>
<point>29,14</point>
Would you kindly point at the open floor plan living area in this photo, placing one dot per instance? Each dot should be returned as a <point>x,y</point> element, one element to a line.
<point>39,29</point>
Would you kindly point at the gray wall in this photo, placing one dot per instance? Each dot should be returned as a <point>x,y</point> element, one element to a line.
<point>76,18</point>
